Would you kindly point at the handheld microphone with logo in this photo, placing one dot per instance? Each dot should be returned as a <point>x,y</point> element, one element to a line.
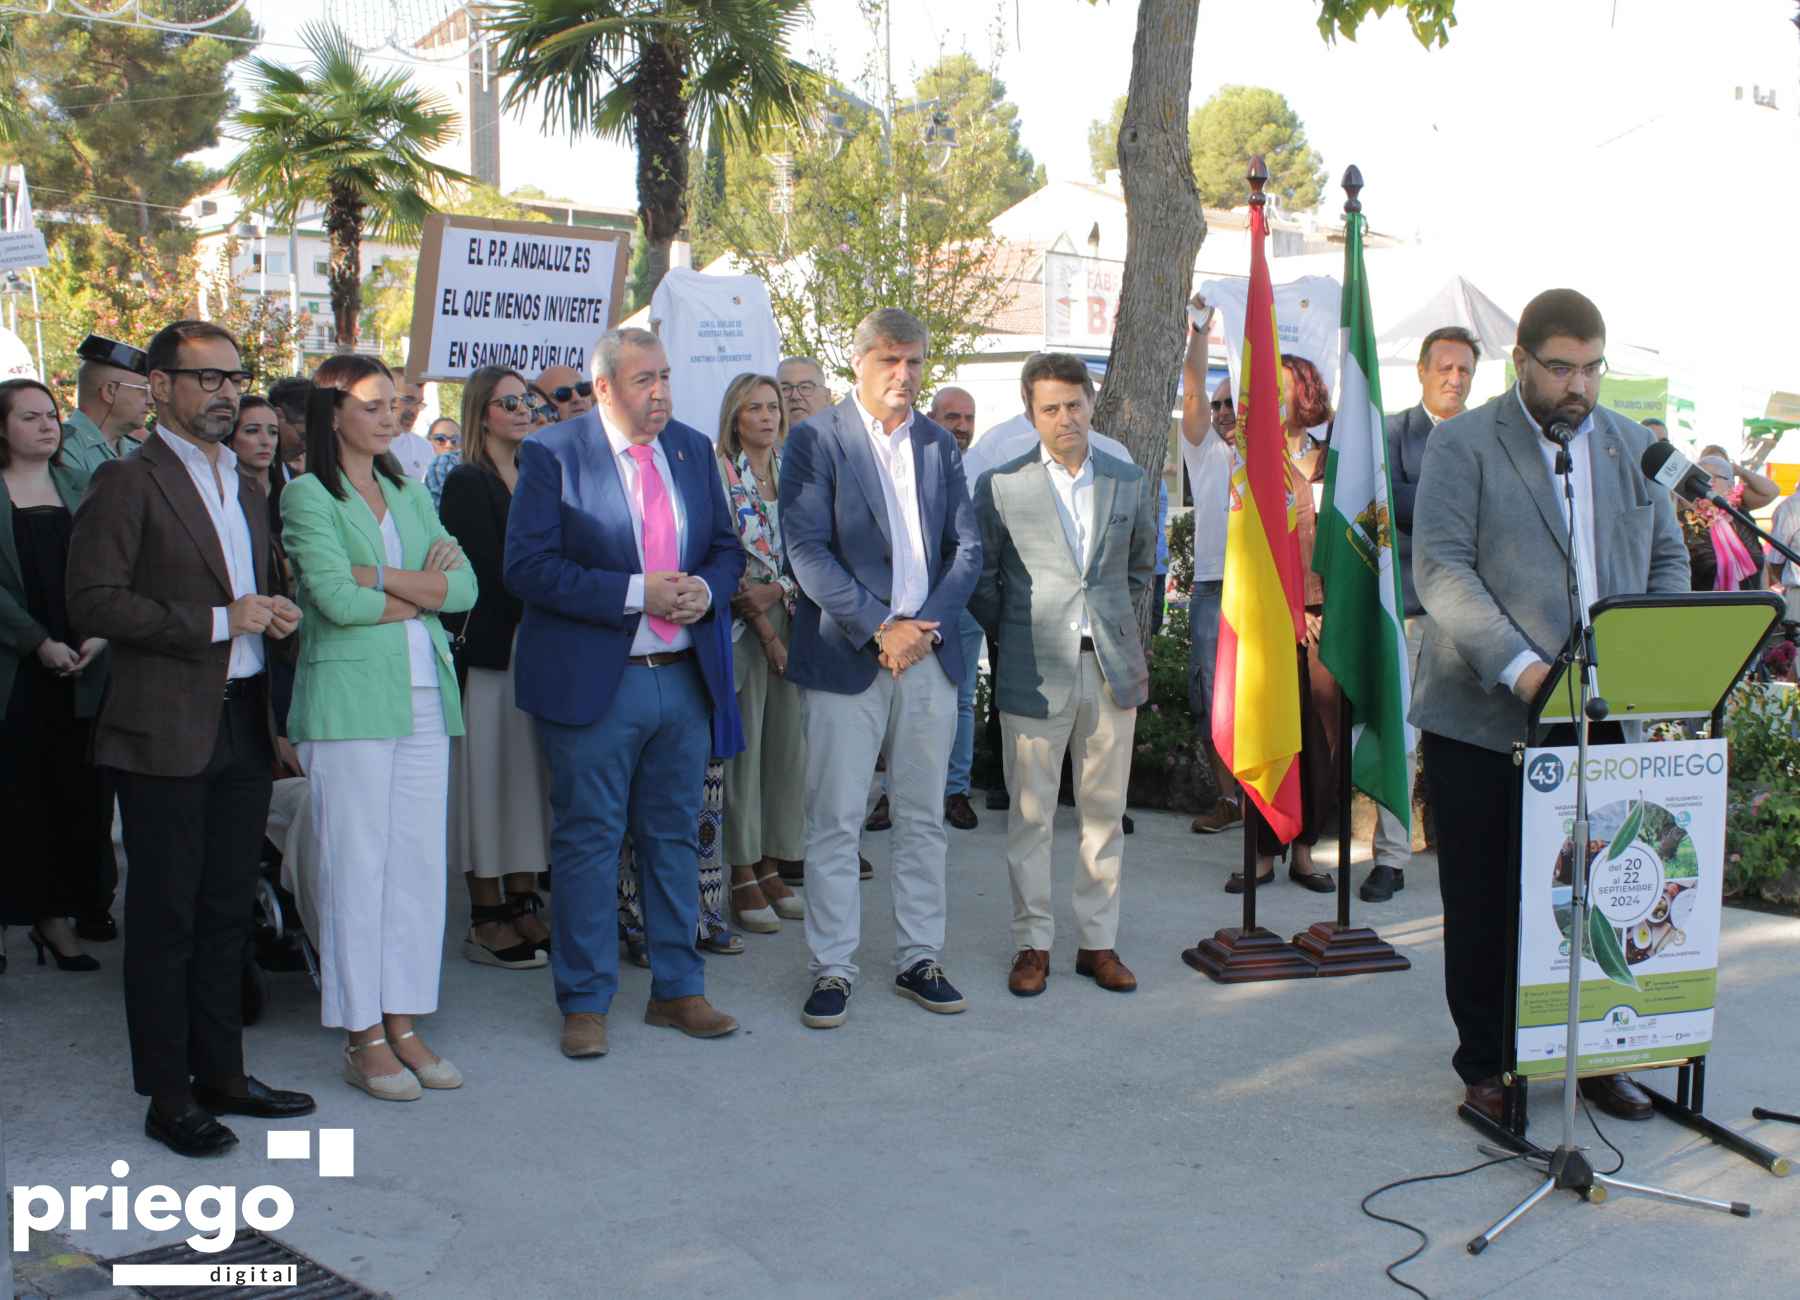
<point>1664,465</point>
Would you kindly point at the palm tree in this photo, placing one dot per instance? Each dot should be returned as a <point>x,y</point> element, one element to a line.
<point>356,142</point>
<point>660,73</point>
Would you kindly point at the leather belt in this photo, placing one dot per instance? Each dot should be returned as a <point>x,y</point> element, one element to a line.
<point>243,688</point>
<point>1087,645</point>
<point>661,660</point>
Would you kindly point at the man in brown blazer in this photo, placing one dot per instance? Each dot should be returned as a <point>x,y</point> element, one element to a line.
<point>169,561</point>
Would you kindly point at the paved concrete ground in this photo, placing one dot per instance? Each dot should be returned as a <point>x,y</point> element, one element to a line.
<point>1188,1139</point>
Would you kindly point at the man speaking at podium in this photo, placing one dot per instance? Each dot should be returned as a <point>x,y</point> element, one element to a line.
<point>1490,550</point>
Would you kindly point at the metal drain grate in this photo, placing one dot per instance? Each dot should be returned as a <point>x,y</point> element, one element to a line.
<point>252,1247</point>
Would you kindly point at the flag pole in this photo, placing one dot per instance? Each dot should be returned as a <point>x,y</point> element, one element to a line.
<point>1250,953</point>
<point>1337,947</point>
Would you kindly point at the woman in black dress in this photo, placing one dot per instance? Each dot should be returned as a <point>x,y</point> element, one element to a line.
<point>51,679</point>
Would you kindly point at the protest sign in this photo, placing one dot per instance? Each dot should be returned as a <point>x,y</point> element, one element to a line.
<point>523,294</point>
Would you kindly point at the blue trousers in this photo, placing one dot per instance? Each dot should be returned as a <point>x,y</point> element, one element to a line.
<point>640,768</point>
<point>962,749</point>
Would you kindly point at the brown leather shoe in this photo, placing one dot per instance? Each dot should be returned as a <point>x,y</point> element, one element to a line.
<point>1618,1096</point>
<point>1221,817</point>
<point>693,1016</point>
<point>960,813</point>
<point>1489,1098</point>
<point>1030,972</point>
<point>583,1034</point>
<point>1102,965</point>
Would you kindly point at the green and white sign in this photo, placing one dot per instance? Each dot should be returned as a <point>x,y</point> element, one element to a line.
<point>1650,957</point>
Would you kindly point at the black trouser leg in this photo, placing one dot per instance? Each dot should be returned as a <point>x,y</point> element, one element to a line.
<point>992,726</point>
<point>106,884</point>
<point>1470,791</point>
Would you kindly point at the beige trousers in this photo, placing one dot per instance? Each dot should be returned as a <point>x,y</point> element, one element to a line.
<point>1097,735</point>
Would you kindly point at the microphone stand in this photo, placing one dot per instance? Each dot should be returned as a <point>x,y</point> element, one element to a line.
<point>1567,1167</point>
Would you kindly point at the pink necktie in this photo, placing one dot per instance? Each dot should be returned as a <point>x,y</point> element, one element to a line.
<point>661,554</point>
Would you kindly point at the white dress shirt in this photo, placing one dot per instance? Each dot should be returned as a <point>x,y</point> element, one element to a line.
<point>1075,507</point>
<point>217,484</point>
<point>414,454</point>
<point>1581,480</point>
<point>900,487</point>
<point>646,642</point>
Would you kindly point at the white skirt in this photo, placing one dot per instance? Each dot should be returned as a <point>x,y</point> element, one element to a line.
<point>499,784</point>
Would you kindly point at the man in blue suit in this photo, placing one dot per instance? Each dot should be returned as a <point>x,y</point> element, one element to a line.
<point>622,548</point>
<point>882,539</point>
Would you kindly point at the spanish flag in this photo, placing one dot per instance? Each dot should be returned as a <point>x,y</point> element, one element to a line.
<point>1256,690</point>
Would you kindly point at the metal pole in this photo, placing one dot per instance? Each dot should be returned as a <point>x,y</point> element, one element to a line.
<point>294,290</point>
<point>37,323</point>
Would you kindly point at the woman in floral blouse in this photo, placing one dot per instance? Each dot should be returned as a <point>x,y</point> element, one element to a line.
<point>765,822</point>
<point>1723,555</point>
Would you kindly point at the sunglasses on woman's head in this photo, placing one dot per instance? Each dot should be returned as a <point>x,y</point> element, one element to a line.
<point>563,394</point>
<point>446,440</point>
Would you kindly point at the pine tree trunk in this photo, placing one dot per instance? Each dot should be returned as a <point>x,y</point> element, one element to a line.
<point>343,226</point>
<point>1163,229</point>
<point>659,121</point>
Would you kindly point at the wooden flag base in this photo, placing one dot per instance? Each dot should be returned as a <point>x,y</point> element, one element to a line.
<point>1240,956</point>
<point>1337,949</point>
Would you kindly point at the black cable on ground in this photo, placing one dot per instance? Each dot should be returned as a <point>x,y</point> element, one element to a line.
<point>1423,1236</point>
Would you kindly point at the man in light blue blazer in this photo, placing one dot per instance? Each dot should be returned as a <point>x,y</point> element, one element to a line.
<point>621,546</point>
<point>882,540</point>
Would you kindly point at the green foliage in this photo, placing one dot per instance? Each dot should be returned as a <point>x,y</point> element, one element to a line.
<point>1241,121</point>
<point>355,141</point>
<point>660,73</point>
<point>110,111</point>
<point>1181,551</point>
<point>1103,140</point>
<point>867,223</point>
<point>1762,825</point>
<point>987,124</point>
<point>1430,20</point>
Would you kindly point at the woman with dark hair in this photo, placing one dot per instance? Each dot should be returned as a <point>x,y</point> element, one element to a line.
<point>1308,407</point>
<point>256,439</point>
<point>445,437</point>
<point>499,785</point>
<point>51,680</point>
<point>765,806</point>
<point>375,704</point>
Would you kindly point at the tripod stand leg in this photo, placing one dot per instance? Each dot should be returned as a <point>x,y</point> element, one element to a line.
<point>1512,1216</point>
<point>1739,1208</point>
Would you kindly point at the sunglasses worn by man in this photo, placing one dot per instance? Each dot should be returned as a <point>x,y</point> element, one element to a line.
<point>565,392</point>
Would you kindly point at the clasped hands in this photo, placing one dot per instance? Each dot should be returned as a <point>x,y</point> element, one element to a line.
<point>904,642</point>
<point>274,616</point>
<point>65,660</point>
<point>679,598</point>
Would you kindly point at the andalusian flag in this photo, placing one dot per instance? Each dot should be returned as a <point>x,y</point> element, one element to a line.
<point>1256,691</point>
<point>1364,639</point>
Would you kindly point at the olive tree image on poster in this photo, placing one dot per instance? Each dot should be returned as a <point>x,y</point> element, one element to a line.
<point>1650,955</point>
<point>512,293</point>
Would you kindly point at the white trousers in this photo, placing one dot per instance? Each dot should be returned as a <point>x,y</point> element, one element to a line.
<point>1097,734</point>
<point>914,718</point>
<point>378,810</point>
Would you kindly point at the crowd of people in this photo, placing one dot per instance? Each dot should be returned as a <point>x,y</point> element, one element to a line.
<point>678,674</point>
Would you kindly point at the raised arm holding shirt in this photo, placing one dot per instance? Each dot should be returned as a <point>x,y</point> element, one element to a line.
<point>621,546</point>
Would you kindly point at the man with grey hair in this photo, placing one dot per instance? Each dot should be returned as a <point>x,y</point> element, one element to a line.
<point>804,392</point>
<point>882,539</point>
<point>621,546</point>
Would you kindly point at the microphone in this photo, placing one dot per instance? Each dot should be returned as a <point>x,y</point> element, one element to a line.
<point>1559,432</point>
<point>1665,466</point>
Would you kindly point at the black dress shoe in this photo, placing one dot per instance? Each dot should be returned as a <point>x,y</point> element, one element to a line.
<point>1129,825</point>
<point>1382,884</point>
<point>1320,882</point>
<point>192,1133</point>
<point>998,800</point>
<point>880,819</point>
<point>258,1100</point>
<point>97,929</point>
<point>1618,1096</point>
<point>1234,884</point>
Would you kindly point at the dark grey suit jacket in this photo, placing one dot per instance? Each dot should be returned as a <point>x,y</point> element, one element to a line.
<point>1488,552</point>
<point>1406,434</point>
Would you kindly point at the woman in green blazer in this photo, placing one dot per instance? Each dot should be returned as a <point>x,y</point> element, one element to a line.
<point>375,705</point>
<point>51,680</point>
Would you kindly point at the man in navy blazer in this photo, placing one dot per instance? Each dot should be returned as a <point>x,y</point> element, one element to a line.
<point>882,540</point>
<point>621,546</point>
